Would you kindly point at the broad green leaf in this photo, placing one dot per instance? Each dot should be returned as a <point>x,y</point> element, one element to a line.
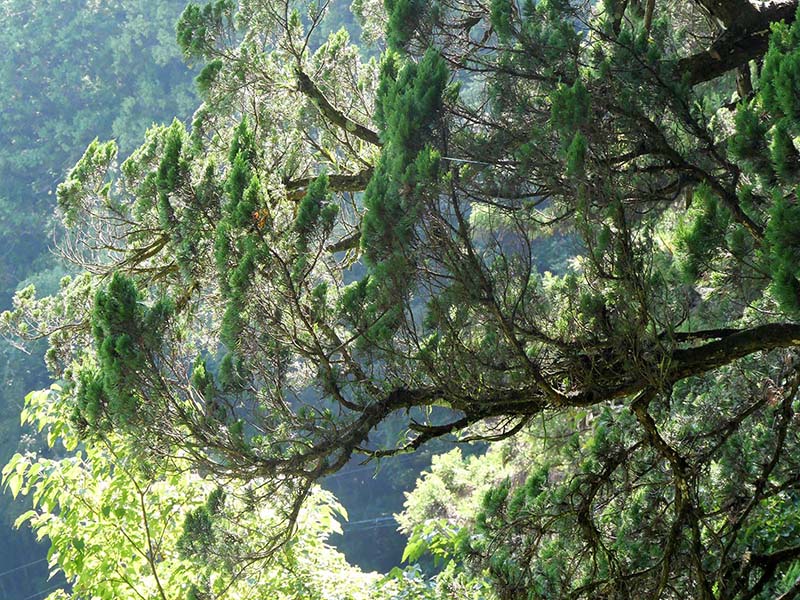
<point>27,515</point>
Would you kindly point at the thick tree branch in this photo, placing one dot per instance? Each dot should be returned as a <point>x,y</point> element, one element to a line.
<point>648,14</point>
<point>425,433</point>
<point>356,182</point>
<point>729,13</point>
<point>724,55</point>
<point>705,334</point>
<point>333,114</point>
<point>690,362</point>
<point>346,243</point>
<point>747,40</point>
<point>698,360</point>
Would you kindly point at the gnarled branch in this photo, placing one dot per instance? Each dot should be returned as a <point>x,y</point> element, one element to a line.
<point>333,114</point>
<point>747,40</point>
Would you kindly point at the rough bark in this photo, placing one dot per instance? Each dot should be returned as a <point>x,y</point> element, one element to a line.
<point>355,182</point>
<point>729,12</point>
<point>746,39</point>
<point>694,361</point>
<point>333,114</point>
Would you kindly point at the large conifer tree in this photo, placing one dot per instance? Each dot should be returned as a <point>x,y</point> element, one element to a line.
<point>653,145</point>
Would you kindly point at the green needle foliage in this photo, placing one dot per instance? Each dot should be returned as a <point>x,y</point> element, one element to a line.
<point>125,333</point>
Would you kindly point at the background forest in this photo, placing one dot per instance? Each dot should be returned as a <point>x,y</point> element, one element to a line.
<point>537,264</point>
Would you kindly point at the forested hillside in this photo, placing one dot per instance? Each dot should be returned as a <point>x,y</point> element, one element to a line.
<point>70,71</point>
<point>563,235</point>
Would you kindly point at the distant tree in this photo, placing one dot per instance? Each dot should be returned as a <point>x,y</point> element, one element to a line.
<point>660,360</point>
<point>74,70</point>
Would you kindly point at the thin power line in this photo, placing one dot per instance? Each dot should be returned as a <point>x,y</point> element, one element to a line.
<point>19,568</point>
<point>379,519</point>
<point>370,528</point>
<point>44,591</point>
